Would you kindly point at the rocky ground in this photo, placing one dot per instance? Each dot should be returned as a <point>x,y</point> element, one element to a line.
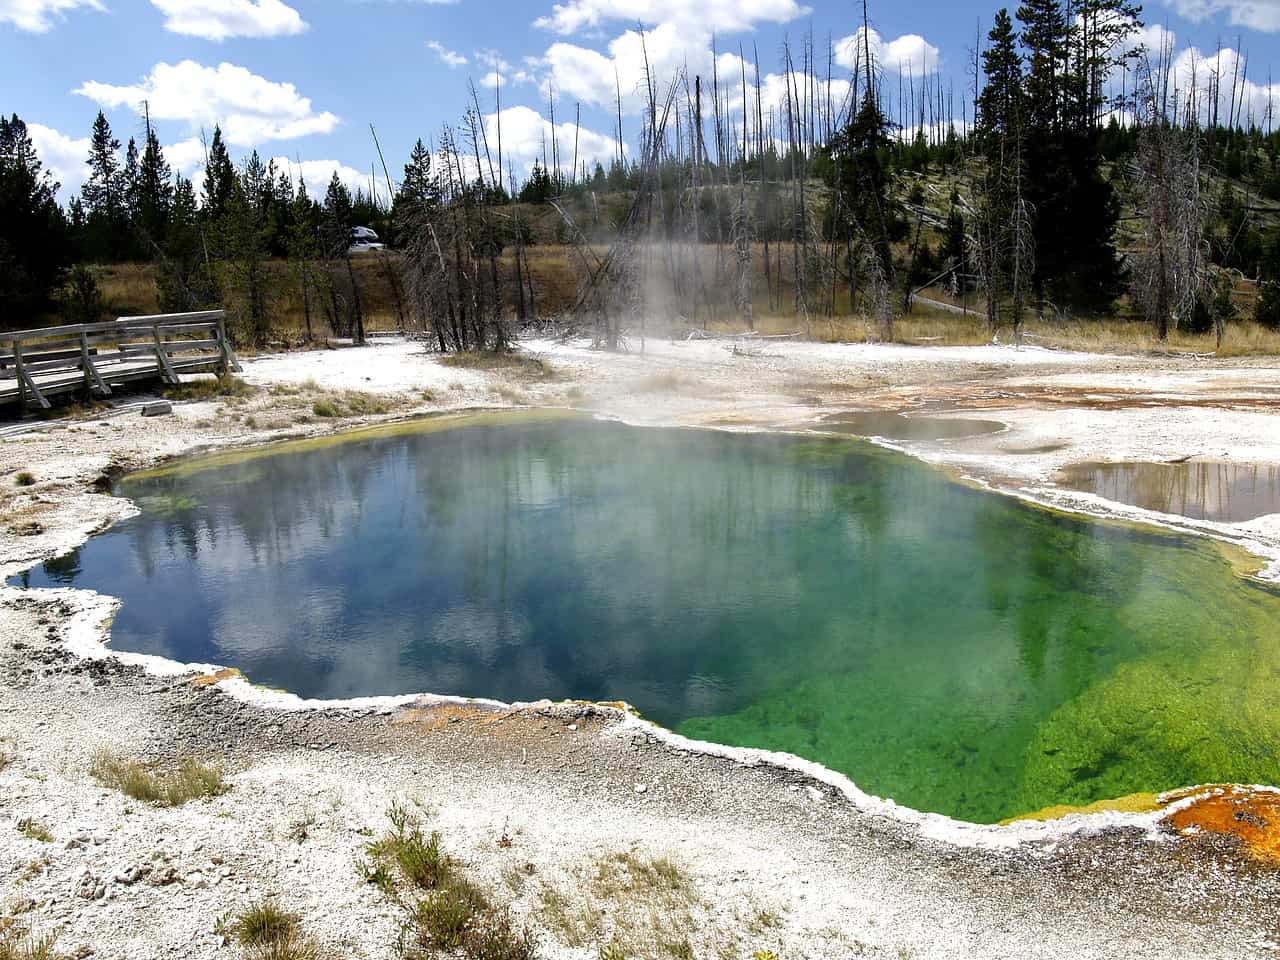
<point>539,804</point>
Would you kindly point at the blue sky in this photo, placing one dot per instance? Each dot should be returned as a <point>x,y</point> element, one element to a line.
<point>303,79</point>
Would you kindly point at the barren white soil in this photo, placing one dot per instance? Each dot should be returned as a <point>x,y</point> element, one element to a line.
<point>776,855</point>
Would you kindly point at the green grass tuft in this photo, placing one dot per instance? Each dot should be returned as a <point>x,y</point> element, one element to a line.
<point>25,478</point>
<point>189,780</point>
<point>264,923</point>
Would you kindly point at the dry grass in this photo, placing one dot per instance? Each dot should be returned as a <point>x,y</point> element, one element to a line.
<point>348,403</point>
<point>34,830</point>
<point>514,363</point>
<point>20,942</point>
<point>630,905</point>
<point>189,779</point>
<point>130,289</point>
<point>210,388</point>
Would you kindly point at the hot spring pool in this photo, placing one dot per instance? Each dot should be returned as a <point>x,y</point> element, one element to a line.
<point>955,650</point>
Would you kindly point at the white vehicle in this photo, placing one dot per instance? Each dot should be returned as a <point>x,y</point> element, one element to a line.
<point>363,240</point>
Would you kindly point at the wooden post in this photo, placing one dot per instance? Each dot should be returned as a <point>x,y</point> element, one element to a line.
<point>24,379</point>
<point>162,358</point>
<point>229,362</point>
<point>92,379</point>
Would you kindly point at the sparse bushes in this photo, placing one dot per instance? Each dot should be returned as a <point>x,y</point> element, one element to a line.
<point>443,918</point>
<point>455,912</point>
<point>25,478</point>
<point>189,780</point>
<point>493,935</point>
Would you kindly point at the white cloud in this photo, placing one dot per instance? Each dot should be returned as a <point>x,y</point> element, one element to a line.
<point>525,131</point>
<point>62,156</point>
<point>221,19</point>
<point>908,54</point>
<point>1256,14</point>
<point>250,108</point>
<point>450,58</point>
<point>38,16</point>
<point>1192,72</point>
<point>702,17</point>
<point>586,75</point>
<point>318,173</point>
<point>185,156</point>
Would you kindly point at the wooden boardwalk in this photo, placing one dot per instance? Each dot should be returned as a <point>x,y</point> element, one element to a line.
<point>94,357</point>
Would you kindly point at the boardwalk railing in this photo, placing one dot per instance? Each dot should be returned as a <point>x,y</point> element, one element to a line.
<point>36,364</point>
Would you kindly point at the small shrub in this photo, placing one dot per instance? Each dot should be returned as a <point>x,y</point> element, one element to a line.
<point>442,917</point>
<point>419,857</point>
<point>377,873</point>
<point>80,300</point>
<point>493,936</point>
<point>190,780</point>
<point>325,408</point>
<point>34,830</point>
<point>262,924</point>
<point>25,478</point>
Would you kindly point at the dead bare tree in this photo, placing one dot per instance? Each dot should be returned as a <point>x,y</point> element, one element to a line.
<point>1169,274</point>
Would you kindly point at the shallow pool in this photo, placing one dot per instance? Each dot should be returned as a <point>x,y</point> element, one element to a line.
<point>949,648</point>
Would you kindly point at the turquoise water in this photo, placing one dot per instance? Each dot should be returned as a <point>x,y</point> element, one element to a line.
<point>951,649</point>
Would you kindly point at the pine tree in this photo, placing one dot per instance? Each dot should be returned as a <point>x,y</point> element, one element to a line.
<point>336,223</point>
<point>155,195</point>
<point>303,248</point>
<point>35,243</point>
<point>106,222</point>
<point>219,178</point>
<point>131,183</point>
<point>419,185</point>
<point>183,278</point>
<point>241,243</point>
<point>1002,247</point>
<point>1075,208</point>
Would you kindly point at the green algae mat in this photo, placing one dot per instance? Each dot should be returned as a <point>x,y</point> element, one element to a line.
<point>954,650</point>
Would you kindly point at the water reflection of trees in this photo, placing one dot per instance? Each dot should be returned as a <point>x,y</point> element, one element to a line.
<point>1227,492</point>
